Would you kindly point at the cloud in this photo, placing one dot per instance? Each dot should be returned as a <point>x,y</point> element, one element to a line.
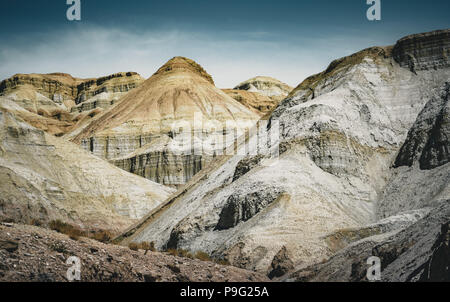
<point>230,57</point>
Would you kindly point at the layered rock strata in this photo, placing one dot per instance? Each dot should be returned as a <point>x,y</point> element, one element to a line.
<point>418,252</point>
<point>179,102</point>
<point>425,51</point>
<point>340,132</point>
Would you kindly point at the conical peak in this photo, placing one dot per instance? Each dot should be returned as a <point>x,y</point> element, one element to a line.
<point>184,64</point>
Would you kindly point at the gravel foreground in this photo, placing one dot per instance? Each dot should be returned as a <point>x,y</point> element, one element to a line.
<point>34,254</point>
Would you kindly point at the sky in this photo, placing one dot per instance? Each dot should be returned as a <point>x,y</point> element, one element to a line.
<point>233,40</point>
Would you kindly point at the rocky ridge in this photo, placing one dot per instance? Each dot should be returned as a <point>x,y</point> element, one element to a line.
<point>341,131</point>
<point>259,103</point>
<point>60,87</point>
<point>424,51</point>
<point>51,99</point>
<point>180,92</point>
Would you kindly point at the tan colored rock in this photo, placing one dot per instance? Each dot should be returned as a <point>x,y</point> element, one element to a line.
<point>179,92</point>
<point>54,86</point>
<point>105,91</point>
<point>44,178</point>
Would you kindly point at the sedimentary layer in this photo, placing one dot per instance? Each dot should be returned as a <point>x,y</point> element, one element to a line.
<point>179,100</point>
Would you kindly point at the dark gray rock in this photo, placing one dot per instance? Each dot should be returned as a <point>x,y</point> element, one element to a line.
<point>428,140</point>
<point>245,165</point>
<point>437,268</point>
<point>416,253</point>
<point>241,208</point>
<point>281,264</point>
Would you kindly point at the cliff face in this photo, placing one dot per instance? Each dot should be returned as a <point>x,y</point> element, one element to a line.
<point>55,86</point>
<point>179,92</point>
<point>421,172</point>
<point>105,91</point>
<point>43,178</point>
<point>159,162</point>
<point>50,99</point>
<point>60,87</point>
<point>340,132</point>
<point>424,51</point>
<point>428,141</point>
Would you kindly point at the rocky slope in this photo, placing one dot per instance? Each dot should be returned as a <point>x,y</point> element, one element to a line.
<point>340,132</point>
<point>32,254</point>
<point>412,239</point>
<point>418,252</point>
<point>428,142</point>
<point>44,178</point>
<point>180,103</point>
<point>421,174</point>
<point>266,86</point>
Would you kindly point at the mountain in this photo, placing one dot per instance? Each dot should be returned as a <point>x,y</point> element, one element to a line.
<point>142,132</point>
<point>58,103</point>
<point>44,178</point>
<point>340,133</point>
<point>412,237</point>
<point>266,86</point>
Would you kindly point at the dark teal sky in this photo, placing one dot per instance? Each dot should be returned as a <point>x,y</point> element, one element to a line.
<point>233,40</point>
